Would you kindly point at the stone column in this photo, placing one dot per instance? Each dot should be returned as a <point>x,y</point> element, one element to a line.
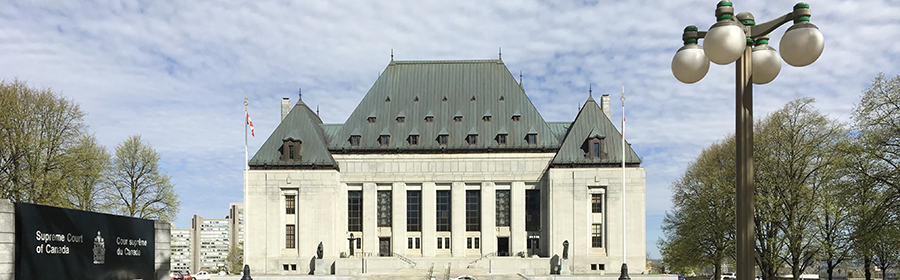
<point>429,219</point>
<point>8,239</point>
<point>488,218</point>
<point>458,219</point>
<point>517,234</point>
<point>398,218</point>
<point>370,219</point>
<point>163,251</point>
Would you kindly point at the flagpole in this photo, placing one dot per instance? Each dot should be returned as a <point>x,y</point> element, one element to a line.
<point>246,185</point>
<point>624,274</point>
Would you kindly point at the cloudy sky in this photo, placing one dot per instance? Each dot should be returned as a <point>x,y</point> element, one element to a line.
<point>176,73</point>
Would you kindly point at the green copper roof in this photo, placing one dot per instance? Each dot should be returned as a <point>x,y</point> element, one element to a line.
<point>458,95</point>
<point>592,122</point>
<point>455,99</point>
<point>303,125</point>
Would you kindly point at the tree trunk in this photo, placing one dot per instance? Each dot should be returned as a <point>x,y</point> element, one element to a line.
<point>867,263</point>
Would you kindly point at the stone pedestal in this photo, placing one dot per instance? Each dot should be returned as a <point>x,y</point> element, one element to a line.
<point>321,268</point>
<point>564,268</point>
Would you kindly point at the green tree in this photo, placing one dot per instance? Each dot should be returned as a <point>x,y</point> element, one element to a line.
<point>699,230</point>
<point>877,169</point>
<point>795,155</point>
<point>137,187</point>
<point>87,161</point>
<point>235,258</point>
<point>40,136</point>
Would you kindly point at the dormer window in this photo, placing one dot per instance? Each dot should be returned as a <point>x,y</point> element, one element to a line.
<point>531,139</point>
<point>354,140</point>
<point>516,118</point>
<point>486,118</point>
<point>457,118</point>
<point>384,140</point>
<point>371,119</point>
<point>595,147</point>
<point>401,119</point>
<point>429,119</point>
<point>290,150</point>
<point>472,139</point>
<point>442,140</point>
<point>413,140</point>
<point>501,139</point>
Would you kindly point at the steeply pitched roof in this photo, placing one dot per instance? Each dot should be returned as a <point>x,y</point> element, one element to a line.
<point>303,125</point>
<point>592,122</point>
<point>448,91</point>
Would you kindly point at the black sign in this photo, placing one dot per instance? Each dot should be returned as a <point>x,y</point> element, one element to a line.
<point>57,243</point>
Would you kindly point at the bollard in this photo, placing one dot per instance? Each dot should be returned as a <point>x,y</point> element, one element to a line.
<point>246,273</point>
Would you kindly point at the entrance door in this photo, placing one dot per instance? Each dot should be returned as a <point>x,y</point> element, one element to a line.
<point>384,247</point>
<point>503,246</point>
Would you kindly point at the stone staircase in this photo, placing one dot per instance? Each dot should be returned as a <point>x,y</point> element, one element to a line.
<point>439,274</point>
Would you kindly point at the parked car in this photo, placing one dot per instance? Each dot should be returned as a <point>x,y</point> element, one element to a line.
<point>725,276</point>
<point>202,275</point>
<point>175,275</point>
<point>464,277</point>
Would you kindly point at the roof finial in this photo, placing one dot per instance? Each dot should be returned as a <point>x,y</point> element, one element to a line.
<point>392,54</point>
<point>317,110</point>
<point>300,94</point>
<point>591,90</point>
<point>500,53</point>
<point>520,78</point>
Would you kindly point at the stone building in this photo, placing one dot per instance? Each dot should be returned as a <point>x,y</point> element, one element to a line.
<point>444,164</point>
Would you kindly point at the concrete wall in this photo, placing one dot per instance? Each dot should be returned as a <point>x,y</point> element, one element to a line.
<point>7,240</point>
<point>163,255</point>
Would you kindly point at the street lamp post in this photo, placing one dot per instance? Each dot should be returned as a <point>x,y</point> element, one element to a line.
<point>739,39</point>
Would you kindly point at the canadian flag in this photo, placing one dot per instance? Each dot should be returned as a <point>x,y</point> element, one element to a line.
<point>250,123</point>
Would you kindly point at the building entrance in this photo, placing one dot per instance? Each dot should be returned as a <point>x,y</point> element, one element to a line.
<point>384,247</point>
<point>503,246</point>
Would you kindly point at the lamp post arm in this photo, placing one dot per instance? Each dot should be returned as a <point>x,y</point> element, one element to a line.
<point>765,28</point>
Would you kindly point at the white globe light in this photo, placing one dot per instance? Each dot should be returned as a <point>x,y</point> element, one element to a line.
<point>766,64</point>
<point>724,43</point>
<point>802,44</point>
<point>690,64</point>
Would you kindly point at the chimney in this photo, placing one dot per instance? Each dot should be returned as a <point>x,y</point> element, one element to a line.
<point>604,104</point>
<point>286,107</point>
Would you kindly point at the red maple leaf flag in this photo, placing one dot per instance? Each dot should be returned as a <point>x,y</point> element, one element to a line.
<point>250,123</point>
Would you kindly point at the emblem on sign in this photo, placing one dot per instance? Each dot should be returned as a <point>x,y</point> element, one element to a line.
<point>99,249</point>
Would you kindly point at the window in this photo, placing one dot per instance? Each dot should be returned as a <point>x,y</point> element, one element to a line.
<point>472,139</point>
<point>289,241</point>
<point>354,210</point>
<point>531,139</point>
<point>516,118</point>
<point>534,242</point>
<point>354,140</point>
<point>290,150</point>
<point>294,266</point>
<point>384,140</point>
<point>429,118</point>
<point>502,205</point>
<point>457,118</point>
<point>443,242</point>
<point>597,235</point>
<point>401,119</point>
<point>473,210</point>
<point>532,210</point>
<point>290,204</point>
<point>412,243</point>
<point>486,118</point>
<point>413,140</point>
<point>501,139</point>
<point>442,140</point>
<point>414,211</point>
<point>596,203</point>
<point>443,210</point>
<point>596,148</point>
<point>384,208</point>
<point>473,242</point>
<point>598,266</point>
<point>371,119</point>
